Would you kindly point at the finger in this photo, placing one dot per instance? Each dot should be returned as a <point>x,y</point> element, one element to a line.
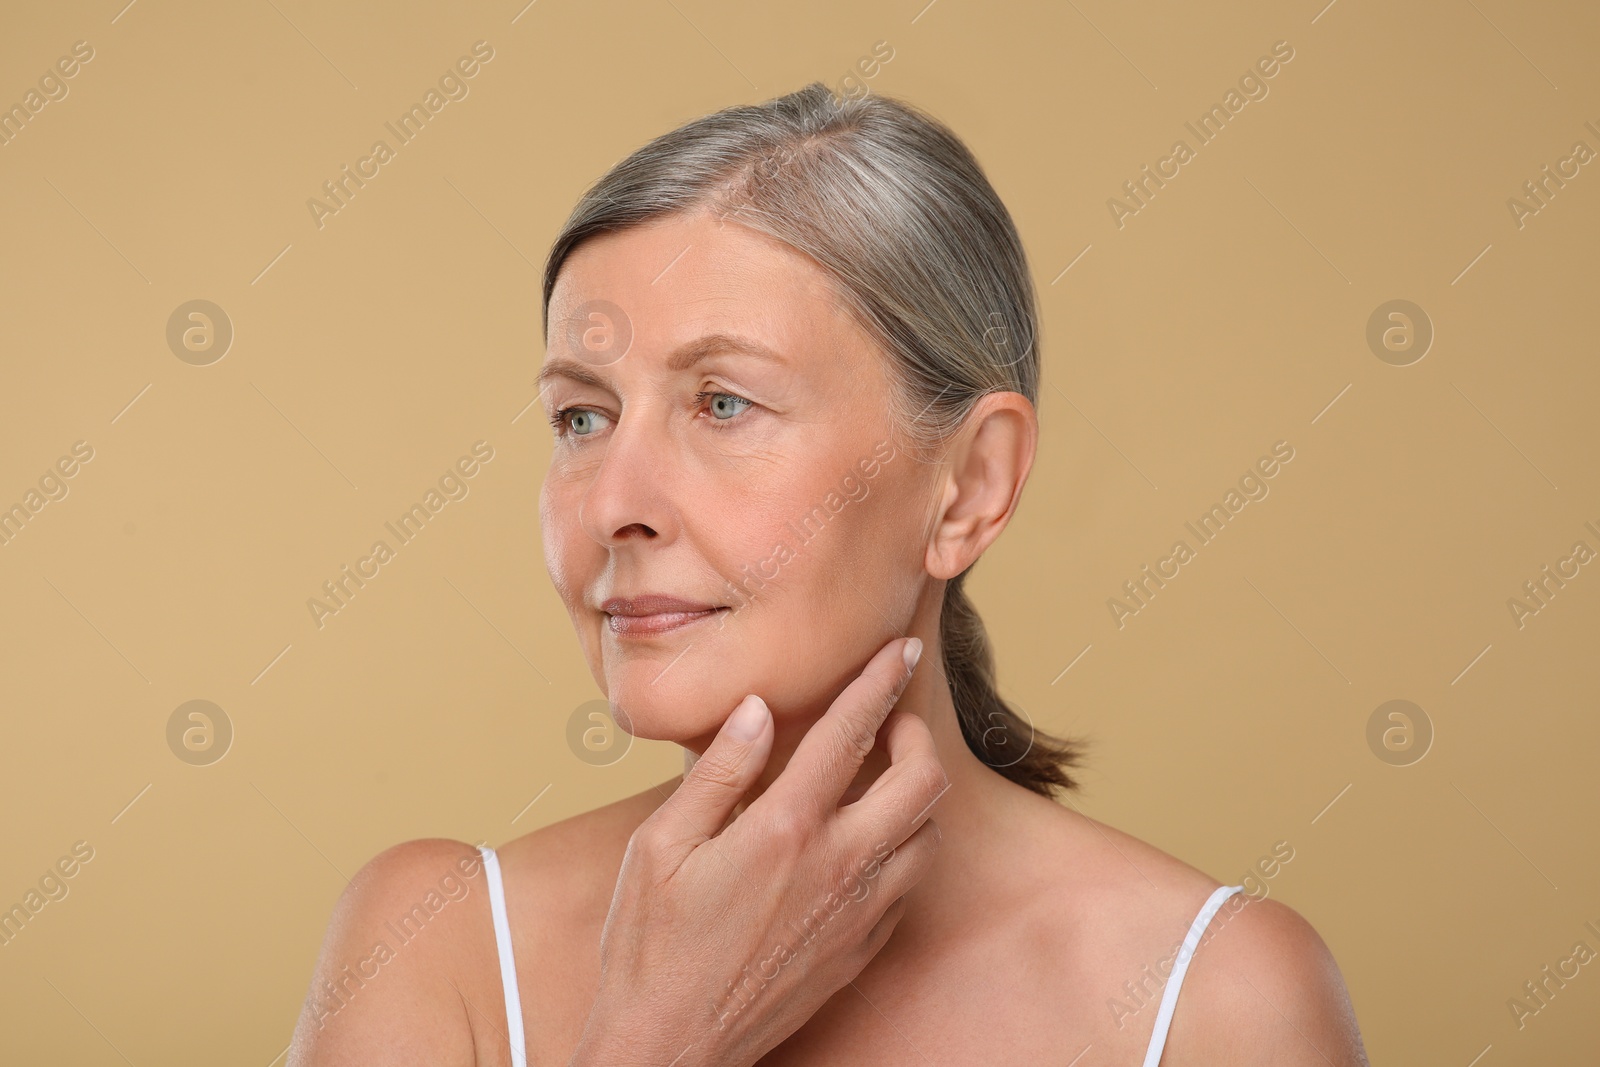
<point>904,795</point>
<point>886,923</point>
<point>904,868</point>
<point>716,783</point>
<point>831,752</point>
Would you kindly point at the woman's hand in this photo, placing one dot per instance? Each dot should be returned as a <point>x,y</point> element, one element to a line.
<point>717,948</point>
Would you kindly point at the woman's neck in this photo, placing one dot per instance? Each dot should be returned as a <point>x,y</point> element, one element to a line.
<point>977,802</point>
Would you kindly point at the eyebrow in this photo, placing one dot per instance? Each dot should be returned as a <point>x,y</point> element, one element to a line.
<point>683,358</point>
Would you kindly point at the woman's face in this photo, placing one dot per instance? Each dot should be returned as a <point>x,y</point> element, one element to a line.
<point>731,448</point>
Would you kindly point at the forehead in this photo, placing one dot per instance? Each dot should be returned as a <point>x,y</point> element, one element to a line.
<point>683,276</point>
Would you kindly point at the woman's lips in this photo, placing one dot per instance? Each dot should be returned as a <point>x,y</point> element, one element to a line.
<point>650,625</point>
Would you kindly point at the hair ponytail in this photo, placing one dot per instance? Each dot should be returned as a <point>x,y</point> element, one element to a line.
<point>999,737</point>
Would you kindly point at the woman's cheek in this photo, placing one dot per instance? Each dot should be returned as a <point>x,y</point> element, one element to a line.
<point>564,542</point>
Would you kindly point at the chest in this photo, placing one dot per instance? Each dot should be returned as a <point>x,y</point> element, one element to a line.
<point>1002,997</point>
<point>1010,1011</point>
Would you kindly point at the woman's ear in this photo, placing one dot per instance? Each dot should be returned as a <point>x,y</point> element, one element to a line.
<point>982,479</point>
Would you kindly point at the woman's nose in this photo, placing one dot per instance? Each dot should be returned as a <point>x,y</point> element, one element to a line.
<point>630,493</point>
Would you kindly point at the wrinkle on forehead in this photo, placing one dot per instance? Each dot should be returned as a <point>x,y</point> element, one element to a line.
<point>677,238</point>
<point>715,276</point>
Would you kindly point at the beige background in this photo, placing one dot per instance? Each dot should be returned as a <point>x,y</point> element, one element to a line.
<point>1230,313</point>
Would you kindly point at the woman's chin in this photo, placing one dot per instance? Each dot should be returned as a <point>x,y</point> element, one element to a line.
<point>659,717</point>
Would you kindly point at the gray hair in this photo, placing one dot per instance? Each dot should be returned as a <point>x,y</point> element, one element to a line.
<point>896,210</point>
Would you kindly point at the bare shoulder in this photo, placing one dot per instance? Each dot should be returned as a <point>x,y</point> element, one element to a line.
<point>409,968</point>
<point>1128,886</point>
<point>1263,988</point>
<point>402,950</point>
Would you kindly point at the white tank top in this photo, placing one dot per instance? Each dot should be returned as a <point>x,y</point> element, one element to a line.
<point>508,967</point>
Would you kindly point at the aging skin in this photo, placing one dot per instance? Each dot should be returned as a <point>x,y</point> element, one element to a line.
<point>677,493</point>
<point>658,491</point>
<point>672,476</point>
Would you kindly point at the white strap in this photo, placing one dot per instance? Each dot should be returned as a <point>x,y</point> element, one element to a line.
<point>508,963</point>
<point>1169,997</point>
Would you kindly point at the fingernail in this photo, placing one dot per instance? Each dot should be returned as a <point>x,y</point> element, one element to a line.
<point>913,653</point>
<point>748,719</point>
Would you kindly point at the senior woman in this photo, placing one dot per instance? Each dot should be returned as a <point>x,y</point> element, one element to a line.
<point>791,370</point>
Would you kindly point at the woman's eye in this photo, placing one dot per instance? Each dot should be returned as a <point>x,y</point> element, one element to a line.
<point>586,422</point>
<point>724,406</point>
<point>580,422</point>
